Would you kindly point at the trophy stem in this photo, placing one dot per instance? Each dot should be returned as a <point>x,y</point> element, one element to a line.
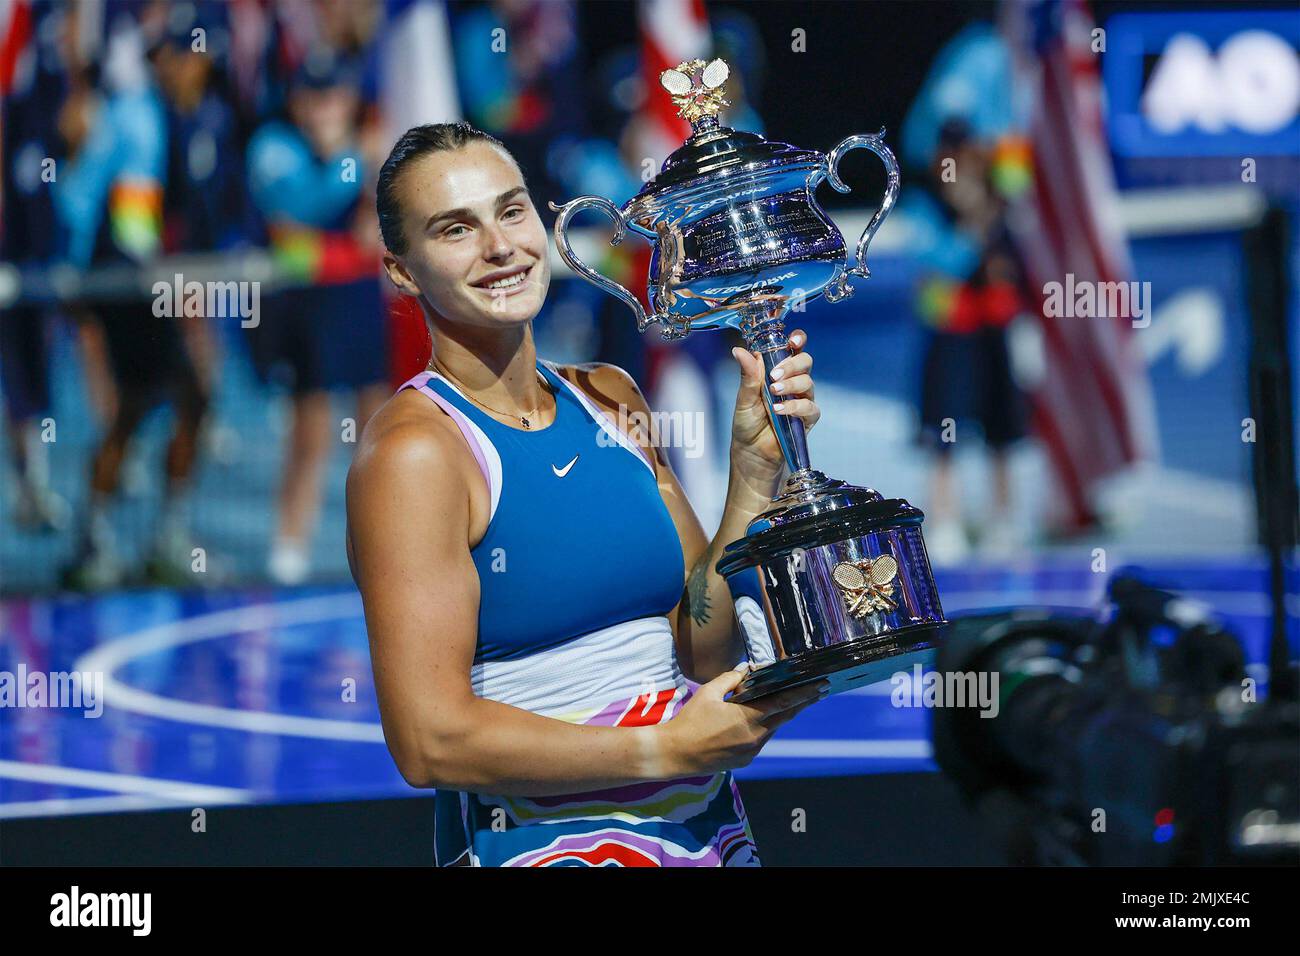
<point>703,126</point>
<point>789,430</point>
<point>765,334</point>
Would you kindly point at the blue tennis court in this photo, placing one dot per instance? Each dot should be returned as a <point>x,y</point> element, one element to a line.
<point>264,696</point>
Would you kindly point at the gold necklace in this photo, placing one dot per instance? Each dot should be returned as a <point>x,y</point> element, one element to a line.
<point>523,419</point>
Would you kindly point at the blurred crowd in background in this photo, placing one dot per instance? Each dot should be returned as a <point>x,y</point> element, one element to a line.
<point>136,130</point>
<point>166,129</point>
<point>241,140</point>
<point>142,129</point>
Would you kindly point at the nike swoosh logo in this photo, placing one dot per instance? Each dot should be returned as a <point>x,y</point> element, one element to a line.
<point>561,472</point>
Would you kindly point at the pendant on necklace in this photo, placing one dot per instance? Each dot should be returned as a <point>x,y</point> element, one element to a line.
<point>525,421</point>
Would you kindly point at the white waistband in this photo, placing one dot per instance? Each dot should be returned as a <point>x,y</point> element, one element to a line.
<point>579,678</point>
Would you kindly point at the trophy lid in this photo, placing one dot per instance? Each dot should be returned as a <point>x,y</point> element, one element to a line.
<point>697,92</point>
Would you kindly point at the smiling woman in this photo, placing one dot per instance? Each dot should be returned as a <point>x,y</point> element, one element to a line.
<point>539,595</point>
<point>438,250</point>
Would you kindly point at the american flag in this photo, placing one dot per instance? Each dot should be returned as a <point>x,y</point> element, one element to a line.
<point>679,375</point>
<point>1093,409</point>
<point>672,31</point>
<point>15,32</point>
<point>418,83</point>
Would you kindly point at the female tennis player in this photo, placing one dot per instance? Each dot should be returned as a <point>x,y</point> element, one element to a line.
<point>540,598</point>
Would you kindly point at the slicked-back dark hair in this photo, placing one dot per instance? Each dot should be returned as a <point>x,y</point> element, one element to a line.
<point>416,142</point>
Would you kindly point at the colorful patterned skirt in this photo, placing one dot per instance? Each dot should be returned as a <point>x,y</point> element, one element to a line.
<point>625,676</point>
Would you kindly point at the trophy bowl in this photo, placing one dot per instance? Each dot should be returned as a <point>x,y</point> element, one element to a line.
<point>833,582</point>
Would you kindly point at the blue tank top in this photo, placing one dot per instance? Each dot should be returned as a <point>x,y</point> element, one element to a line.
<point>579,538</point>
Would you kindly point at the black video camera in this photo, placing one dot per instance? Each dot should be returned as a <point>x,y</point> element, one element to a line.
<point>1134,738</point>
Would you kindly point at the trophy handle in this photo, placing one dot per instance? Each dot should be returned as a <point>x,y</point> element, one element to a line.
<point>567,212</point>
<point>876,143</point>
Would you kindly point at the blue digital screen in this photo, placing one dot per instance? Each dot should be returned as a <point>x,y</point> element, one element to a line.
<point>1203,84</point>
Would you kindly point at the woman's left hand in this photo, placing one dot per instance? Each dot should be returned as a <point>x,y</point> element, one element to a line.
<point>756,458</point>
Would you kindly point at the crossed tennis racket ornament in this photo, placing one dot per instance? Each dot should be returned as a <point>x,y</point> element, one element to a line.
<point>696,88</point>
<point>867,584</point>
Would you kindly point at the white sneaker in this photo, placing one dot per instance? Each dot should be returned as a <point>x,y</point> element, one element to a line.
<point>96,570</point>
<point>946,544</point>
<point>171,560</point>
<point>288,564</point>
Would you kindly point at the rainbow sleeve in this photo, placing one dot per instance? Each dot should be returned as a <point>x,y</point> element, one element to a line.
<point>135,215</point>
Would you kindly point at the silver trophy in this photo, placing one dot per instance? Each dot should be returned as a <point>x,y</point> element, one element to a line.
<point>833,581</point>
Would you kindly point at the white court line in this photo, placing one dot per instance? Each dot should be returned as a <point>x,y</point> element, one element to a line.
<point>74,806</point>
<point>120,651</point>
<point>1224,602</point>
<point>117,653</point>
<point>815,749</point>
<point>120,782</point>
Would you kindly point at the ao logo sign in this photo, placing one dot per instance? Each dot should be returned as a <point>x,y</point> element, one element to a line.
<point>1252,84</point>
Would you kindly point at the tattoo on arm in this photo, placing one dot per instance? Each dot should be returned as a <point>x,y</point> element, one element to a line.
<point>697,588</point>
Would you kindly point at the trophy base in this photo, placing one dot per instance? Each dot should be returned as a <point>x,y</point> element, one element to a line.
<point>832,583</point>
<point>846,666</point>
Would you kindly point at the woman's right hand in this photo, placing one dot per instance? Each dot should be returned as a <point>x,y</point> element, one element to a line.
<point>712,734</point>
